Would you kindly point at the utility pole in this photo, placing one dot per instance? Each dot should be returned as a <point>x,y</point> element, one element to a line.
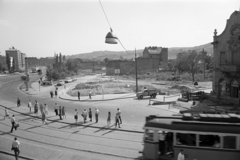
<point>26,72</point>
<point>136,71</point>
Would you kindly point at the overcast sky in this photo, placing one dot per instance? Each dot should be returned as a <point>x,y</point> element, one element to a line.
<point>41,27</point>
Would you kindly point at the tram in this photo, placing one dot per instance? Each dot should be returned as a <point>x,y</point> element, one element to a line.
<point>197,136</point>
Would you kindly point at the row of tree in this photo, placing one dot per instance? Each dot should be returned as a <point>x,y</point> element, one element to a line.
<point>192,62</point>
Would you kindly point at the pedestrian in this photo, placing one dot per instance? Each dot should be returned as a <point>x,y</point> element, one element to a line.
<point>43,118</point>
<point>36,108</point>
<point>84,114</point>
<point>16,148</point>
<point>56,109</point>
<point>181,155</point>
<point>109,118</point>
<point>96,114</point>
<point>30,105</point>
<point>119,113</point>
<point>6,113</point>
<point>13,121</point>
<point>76,115</point>
<point>60,113</point>
<point>90,94</point>
<point>41,108</point>
<point>117,121</point>
<point>46,109</point>
<point>64,112</point>
<point>56,93</point>
<point>51,94</point>
<point>78,95</point>
<point>90,114</point>
<point>18,102</point>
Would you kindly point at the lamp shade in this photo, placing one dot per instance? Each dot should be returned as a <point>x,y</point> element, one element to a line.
<point>111,38</point>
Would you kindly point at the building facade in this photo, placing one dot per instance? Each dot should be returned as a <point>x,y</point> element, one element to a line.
<point>226,76</point>
<point>159,53</point>
<point>18,57</point>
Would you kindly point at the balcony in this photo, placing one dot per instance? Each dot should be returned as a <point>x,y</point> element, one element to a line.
<point>229,68</point>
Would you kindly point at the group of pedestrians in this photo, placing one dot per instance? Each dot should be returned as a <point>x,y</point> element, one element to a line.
<point>60,111</point>
<point>89,114</point>
<point>55,93</point>
<point>89,94</point>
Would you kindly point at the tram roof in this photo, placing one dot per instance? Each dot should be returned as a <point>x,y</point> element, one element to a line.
<point>182,123</point>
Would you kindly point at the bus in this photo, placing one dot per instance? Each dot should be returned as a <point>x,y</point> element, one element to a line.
<point>197,136</point>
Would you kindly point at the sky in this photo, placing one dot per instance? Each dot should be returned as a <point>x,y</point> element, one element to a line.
<point>41,28</point>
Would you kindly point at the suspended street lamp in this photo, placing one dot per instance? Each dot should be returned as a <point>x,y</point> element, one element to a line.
<point>111,38</point>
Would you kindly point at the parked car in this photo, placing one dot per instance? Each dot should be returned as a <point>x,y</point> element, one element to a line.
<point>74,79</point>
<point>47,83</point>
<point>148,92</point>
<point>60,83</point>
<point>68,80</point>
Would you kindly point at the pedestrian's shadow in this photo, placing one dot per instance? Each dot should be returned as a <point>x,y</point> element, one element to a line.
<point>85,126</point>
<point>29,118</point>
<point>110,130</point>
<point>72,125</point>
<point>32,127</point>
<point>101,129</point>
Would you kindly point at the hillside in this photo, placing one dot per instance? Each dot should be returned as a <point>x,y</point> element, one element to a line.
<point>172,53</point>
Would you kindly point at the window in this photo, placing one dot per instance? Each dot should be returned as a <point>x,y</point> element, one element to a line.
<point>148,135</point>
<point>186,139</point>
<point>229,142</point>
<point>209,141</point>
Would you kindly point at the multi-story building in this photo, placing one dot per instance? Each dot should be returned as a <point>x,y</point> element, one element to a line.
<point>18,56</point>
<point>156,52</point>
<point>226,76</point>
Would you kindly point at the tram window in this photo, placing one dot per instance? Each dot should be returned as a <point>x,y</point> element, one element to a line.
<point>149,135</point>
<point>209,141</point>
<point>229,142</point>
<point>186,139</point>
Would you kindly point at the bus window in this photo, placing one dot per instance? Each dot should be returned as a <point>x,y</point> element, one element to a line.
<point>149,135</point>
<point>186,139</point>
<point>229,142</point>
<point>209,141</point>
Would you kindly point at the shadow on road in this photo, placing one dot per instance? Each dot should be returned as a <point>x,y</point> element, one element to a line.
<point>72,125</point>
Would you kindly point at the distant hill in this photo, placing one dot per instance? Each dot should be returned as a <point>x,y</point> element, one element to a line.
<point>172,53</point>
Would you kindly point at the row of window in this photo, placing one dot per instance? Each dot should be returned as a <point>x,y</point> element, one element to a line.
<point>210,141</point>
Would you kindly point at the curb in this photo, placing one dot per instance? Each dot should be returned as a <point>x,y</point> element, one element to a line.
<point>110,99</point>
<point>115,129</point>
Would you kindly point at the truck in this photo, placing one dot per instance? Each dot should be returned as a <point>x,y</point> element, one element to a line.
<point>34,69</point>
<point>148,92</point>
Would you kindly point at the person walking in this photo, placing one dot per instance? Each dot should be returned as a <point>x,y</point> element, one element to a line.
<point>13,121</point>
<point>90,114</point>
<point>51,94</point>
<point>181,155</point>
<point>56,109</point>
<point>84,114</point>
<point>56,93</point>
<point>30,105</point>
<point>117,121</point>
<point>76,115</point>
<point>46,109</point>
<point>90,94</point>
<point>18,102</point>
<point>79,94</point>
<point>16,147</point>
<point>119,113</point>
<point>60,113</point>
<point>6,113</point>
<point>36,108</point>
<point>41,108</point>
<point>109,119</point>
<point>64,112</point>
<point>43,118</point>
<point>96,114</point>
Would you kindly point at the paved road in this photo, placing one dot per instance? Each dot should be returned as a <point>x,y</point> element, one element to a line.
<point>65,140</point>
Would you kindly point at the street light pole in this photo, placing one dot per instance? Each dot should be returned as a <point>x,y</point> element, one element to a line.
<point>136,71</point>
<point>26,72</point>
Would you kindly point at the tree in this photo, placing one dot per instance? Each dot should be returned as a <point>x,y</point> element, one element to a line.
<point>106,60</point>
<point>60,58</point>
<point>56,59</point>
<point>64,58</point>
<point>193,63</point>
<point>8,62</point>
